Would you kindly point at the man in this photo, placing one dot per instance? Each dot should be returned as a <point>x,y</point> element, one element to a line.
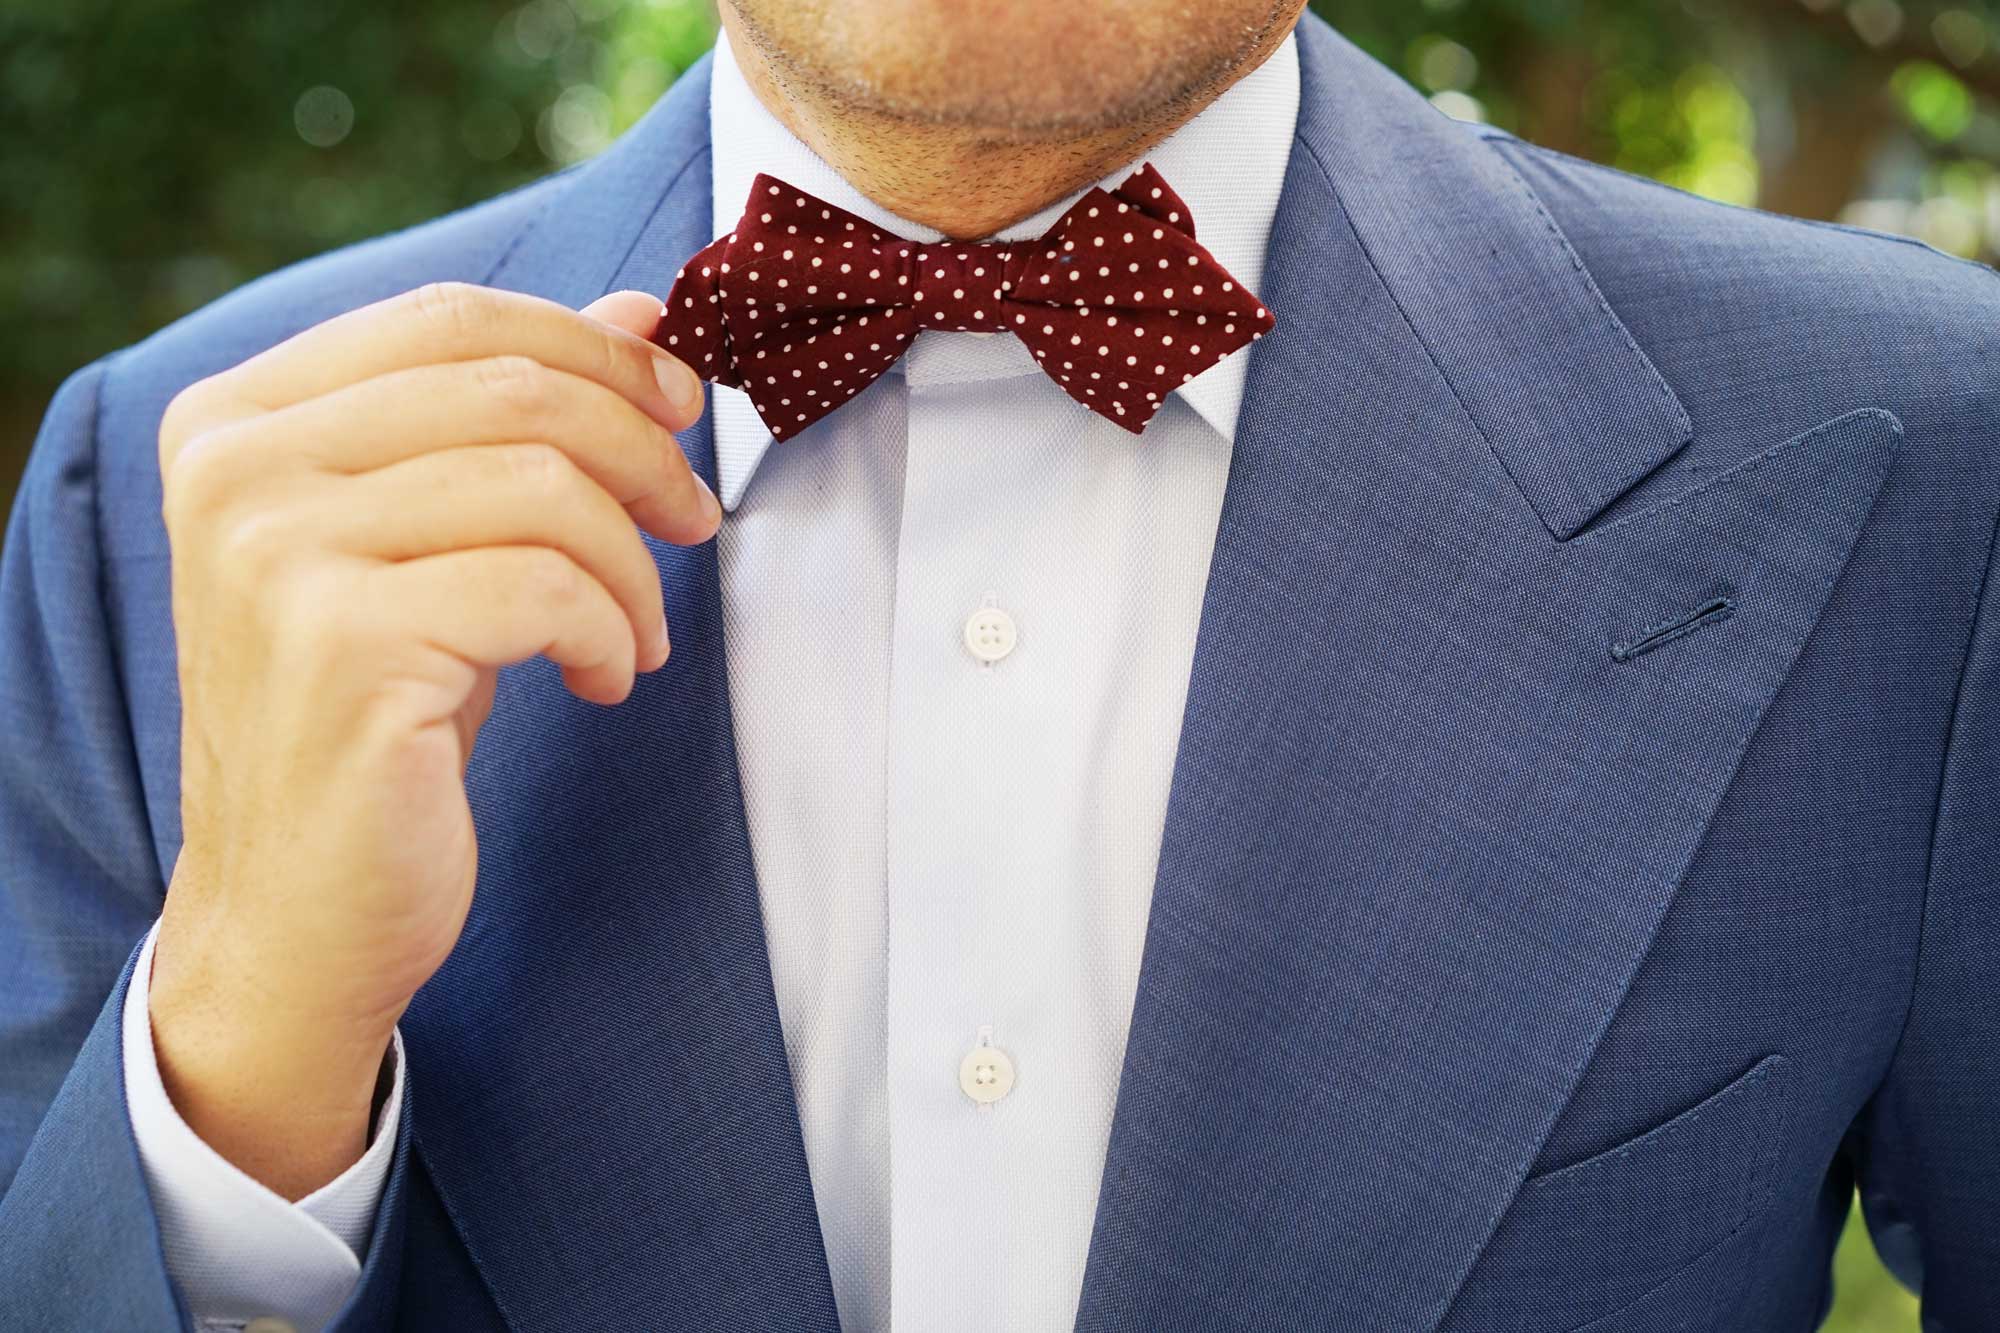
<point>1482,816</point>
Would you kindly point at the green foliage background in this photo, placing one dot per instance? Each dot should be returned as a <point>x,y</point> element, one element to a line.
<point>156,153</point>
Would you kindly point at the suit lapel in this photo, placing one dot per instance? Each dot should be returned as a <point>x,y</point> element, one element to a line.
<point>1424,821</point>
<point>600,1080</point>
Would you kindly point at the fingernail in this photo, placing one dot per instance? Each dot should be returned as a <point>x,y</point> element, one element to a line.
<point>678,383</point>
<point>711,507</point>
<point>661,647</point>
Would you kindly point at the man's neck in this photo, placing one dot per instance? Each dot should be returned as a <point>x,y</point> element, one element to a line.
<point>965,183</point>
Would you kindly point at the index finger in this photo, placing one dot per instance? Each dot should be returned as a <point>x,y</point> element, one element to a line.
<point>452,321</point>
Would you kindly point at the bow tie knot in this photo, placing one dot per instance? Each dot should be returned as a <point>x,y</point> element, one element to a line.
<point>963,287</point>
<point>805,304</point>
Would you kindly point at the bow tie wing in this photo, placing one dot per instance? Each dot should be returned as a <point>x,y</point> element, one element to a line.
<point>1121,306</point>
<point>809,305</point>
<point>692,325</point>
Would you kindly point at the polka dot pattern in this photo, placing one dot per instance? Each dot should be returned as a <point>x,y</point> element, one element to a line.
<point>805,304</point>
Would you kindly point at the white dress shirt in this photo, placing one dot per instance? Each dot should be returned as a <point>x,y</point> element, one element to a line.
<point>960,615</point>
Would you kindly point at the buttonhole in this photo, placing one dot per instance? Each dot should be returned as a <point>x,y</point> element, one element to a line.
<point>1712,612</point>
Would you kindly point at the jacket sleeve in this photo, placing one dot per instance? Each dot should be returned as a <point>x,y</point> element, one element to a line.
<point>1930,1144</point>
<point>80,883</point>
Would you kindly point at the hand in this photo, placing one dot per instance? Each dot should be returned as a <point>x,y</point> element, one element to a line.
<point>367,522</point>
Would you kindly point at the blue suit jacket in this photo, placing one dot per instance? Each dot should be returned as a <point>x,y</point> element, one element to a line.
<point>1582,864</point>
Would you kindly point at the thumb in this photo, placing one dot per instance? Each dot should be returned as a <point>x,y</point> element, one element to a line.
<point>634,312</point>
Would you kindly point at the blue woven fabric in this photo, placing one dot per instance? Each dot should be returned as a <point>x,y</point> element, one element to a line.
<point>1583,861</point>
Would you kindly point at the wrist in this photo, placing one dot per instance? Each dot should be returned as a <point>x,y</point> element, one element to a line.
<point>280,1085</point>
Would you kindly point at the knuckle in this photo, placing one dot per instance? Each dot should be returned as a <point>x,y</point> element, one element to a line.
<point>542,468</point>
<point>556,580</point>
<point>197,485</point>
<point>186,414</point>
<point>522,385</point>
<point>248,542</point>
<point>451,308</point>
<point>675,480</point>
<point>627,362</point>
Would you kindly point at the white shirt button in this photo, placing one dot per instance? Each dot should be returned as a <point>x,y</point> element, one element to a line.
<point>986,1074</point>
<point>989,634</point>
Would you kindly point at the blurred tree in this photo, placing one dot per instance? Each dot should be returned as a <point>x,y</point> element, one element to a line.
<point>158,152</point>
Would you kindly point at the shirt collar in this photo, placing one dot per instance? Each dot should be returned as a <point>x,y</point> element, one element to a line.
<point>1228,163</point>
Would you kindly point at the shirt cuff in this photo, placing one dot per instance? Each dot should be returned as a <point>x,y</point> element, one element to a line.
<point>235,1249</point>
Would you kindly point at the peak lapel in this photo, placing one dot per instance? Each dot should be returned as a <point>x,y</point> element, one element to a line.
<point>1423,821</point>
<point>601,1084</point>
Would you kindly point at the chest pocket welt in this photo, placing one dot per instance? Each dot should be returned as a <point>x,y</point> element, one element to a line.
<point>1589,1239</point>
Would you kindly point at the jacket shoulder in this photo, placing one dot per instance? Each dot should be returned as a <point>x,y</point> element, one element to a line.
<point>1642,236</point>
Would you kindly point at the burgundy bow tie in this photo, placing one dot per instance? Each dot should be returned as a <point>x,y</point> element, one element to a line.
<point>804,304</point>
